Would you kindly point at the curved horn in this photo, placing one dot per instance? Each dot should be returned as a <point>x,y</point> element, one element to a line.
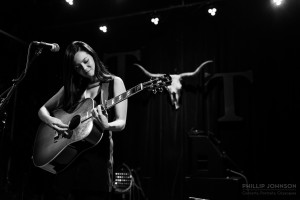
<point>147,72</point>
<point>189,74</point>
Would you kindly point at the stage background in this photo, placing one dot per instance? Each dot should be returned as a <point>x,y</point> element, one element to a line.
<point>249,38</point>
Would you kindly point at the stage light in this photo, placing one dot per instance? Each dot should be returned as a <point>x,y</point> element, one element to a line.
<point>155,20</point>
<point>70,2</point>
<point>103,28</point>
<point>212,11</point>
<point>277,2</point>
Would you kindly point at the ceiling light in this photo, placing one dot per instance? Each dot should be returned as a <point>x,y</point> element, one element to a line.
<point>212,11</point>
<point>103,28</point>
<point>70,2</point>
<point>277,2</point>
<point>155,20</point>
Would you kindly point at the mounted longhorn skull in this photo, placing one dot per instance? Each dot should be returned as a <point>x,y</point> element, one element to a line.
<point>175,88</point>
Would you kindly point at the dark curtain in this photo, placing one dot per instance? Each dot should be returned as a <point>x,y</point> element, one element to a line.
<point>260,144</point>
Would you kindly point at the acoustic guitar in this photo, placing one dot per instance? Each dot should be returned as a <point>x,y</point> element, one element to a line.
<point>53,151</point>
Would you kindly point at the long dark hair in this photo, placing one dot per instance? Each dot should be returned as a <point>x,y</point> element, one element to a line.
<point>75,84</point>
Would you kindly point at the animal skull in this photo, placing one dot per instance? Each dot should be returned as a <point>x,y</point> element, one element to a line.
<point>175,88</point>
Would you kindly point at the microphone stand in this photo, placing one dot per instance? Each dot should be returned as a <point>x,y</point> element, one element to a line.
<point>4,102</point>
<point>17,81</point>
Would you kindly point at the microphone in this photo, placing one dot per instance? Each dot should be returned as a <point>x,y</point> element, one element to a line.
<point>53,47</point>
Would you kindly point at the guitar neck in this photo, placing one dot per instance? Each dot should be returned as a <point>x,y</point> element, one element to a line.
<point>117,99</point>
<point>153,84</point>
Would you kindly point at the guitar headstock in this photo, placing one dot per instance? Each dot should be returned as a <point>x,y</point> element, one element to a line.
<point>157,84</point>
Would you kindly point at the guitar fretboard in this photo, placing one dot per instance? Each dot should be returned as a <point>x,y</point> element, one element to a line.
<point>117,99</point>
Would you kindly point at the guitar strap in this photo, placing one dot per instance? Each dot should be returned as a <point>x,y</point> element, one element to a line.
<point>106,93</point>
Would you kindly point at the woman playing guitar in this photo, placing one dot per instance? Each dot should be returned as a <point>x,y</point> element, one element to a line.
<point>85,77</point>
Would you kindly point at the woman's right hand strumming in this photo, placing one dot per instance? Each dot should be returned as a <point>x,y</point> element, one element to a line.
<point>56,124</point>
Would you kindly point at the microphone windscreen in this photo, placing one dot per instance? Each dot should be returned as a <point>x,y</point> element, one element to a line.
<point>55,47</point>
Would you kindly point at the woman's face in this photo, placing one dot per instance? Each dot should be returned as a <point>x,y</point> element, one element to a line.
<point>84,64</point>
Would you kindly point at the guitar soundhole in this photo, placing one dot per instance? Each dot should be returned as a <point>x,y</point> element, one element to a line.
<point>74,122</point>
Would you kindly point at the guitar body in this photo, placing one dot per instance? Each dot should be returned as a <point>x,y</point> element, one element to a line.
<point>54,151</point>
